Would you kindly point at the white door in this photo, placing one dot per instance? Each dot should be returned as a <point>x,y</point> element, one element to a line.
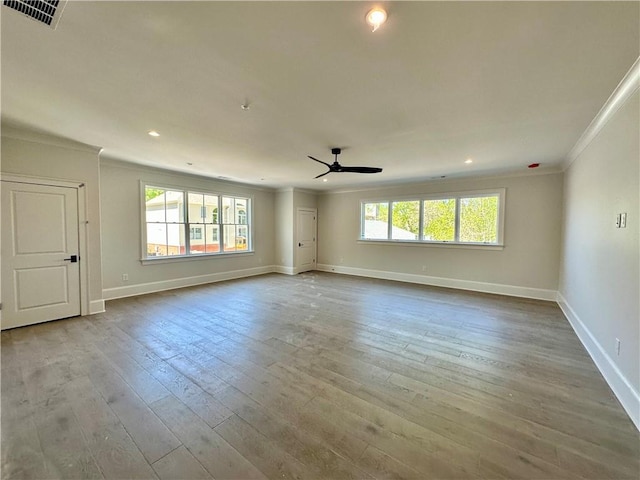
<point>40,269</point>
<point>306,240</point>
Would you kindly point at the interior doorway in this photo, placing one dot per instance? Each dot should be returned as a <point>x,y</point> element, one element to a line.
<point>306,233</point>
<point>41,247</point>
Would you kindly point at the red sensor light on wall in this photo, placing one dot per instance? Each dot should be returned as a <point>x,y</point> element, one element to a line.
<point>534,165</point>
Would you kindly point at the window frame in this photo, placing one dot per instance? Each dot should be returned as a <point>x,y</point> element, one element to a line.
<point>420,241</point>
<point>186,225</point>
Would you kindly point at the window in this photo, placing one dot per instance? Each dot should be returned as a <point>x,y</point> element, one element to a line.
<point>467,218</point>
<point>375,222</point>
<point>178,228</point>
<point>234,219</point>
<point>195,233</point>
<point>405,220</point>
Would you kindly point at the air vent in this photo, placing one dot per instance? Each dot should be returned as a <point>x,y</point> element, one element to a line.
<point>43,11</point>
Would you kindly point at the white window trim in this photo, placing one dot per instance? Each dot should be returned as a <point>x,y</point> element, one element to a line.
<point>189,257</point>
<point>499,245</point>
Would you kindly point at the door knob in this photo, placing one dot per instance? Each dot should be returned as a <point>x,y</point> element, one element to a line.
<point>72,259</point>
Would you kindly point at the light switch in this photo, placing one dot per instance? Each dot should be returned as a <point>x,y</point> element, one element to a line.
<point>623,220</point>
<point>618,219</point>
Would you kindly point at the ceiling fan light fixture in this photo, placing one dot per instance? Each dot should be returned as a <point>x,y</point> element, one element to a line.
<point>376,17</point>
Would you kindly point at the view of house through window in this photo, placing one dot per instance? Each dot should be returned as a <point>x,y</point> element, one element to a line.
<point>195,227</point>
<point>472,218</point>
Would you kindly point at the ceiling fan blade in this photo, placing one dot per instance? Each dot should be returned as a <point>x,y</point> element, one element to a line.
<point>323,174</point>
<point>361,169</point>
<point>319,161</point>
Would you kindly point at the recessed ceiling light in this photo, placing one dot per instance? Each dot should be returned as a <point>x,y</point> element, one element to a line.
<point>376,17</point>
<point>153,133</point>
<point>468,160</point>
<point>325,179</point>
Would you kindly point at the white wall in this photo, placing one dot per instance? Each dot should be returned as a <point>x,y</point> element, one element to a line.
<point>284,229</point>
<point>288,200</point>
<point>599,273</point>
<point>121,227</point>
<point>43,156</point>
<point>527,266</point>
<point>301,199</point>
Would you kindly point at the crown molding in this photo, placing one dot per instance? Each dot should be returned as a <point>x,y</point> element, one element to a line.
<point>143,168</point>
<point>299,190</point>
<point>27,135</point>
<point>627,87</point>
<point>554,170</point>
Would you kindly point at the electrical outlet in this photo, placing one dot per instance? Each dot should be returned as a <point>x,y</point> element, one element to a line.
<point>617,347</point>
<point>125,277</point>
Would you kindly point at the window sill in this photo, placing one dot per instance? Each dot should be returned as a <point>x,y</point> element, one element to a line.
<point>409,243</point>
<point>189,258</point>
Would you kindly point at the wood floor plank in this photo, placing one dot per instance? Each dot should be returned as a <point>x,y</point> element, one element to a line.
<point>141,381</point>
<point>112,447</point>
<point>22,454</point>
<point>151,436</point>
<point>315,375</point>
<point>273,461</point>
<point>315,454</point>
<point>216,455</point>
<point>382,466</point>
<point>180,463</point>
<point>66,452</point>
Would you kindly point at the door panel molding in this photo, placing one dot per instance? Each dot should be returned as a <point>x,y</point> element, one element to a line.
<point>81,194</point>
<point>306,249</point>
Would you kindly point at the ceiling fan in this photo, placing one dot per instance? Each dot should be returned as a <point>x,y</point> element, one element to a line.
<point>337,168</point>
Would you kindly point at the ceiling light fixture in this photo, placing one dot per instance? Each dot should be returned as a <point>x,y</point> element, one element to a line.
<point>376,17</point>
<point>325,179</point>
<point>153,133</point>
<point>468,160</point>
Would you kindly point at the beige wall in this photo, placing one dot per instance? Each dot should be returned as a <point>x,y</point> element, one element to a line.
<point>284,228</point>
<point>42,156</point>
<point>529,259</point>
<point>287,203</point>
<point>301,199</point>
<point>121,226</point>
<point>599,274</point>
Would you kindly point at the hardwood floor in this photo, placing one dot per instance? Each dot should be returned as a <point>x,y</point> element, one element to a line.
<point>310,376</point>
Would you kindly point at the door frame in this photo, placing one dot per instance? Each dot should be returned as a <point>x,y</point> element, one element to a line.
<point>81,193</point>
<point>296,241</point>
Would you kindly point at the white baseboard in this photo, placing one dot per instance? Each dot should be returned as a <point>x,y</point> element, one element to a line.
<point>622,388</point>
<point>151,287</point>
<point>285,270</point>
<point>500,289</point>
<point>96,306</point>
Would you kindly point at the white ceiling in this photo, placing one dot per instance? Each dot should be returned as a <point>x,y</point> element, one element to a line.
<point>506,84</point>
